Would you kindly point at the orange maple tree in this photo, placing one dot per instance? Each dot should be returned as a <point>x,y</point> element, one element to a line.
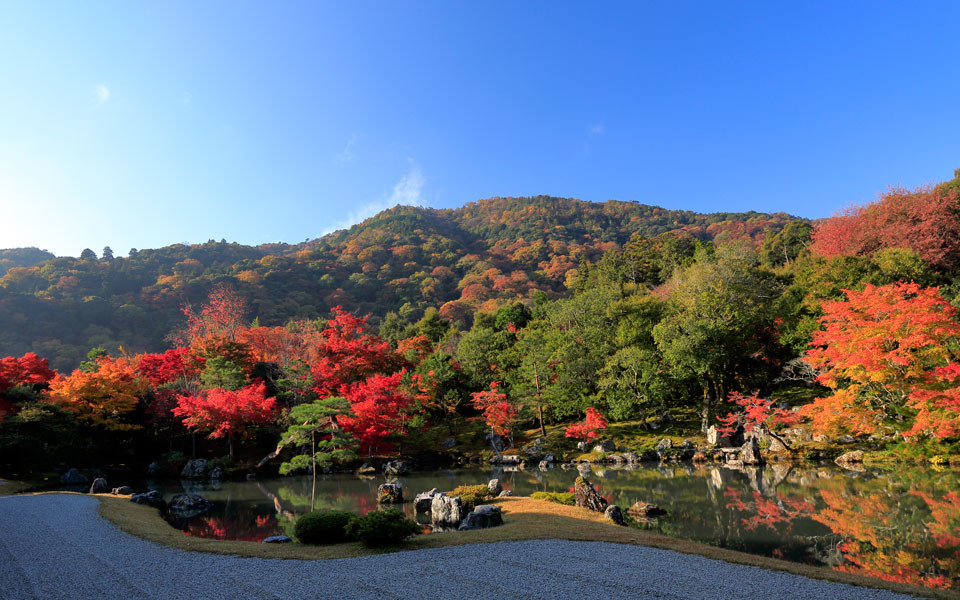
<point>104,397</point>
<point>891,354</point>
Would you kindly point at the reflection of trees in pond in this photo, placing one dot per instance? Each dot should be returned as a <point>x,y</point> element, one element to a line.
<point>777,513</point>
<point>895,531</point>
<point>245,524</point>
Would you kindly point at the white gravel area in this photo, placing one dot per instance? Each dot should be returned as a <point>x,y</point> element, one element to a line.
<point>57,546</point>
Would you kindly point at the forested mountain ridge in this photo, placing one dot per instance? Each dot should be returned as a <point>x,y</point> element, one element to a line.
<point>405,259</point>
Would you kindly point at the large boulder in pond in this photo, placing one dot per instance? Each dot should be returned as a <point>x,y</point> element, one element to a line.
<point>494,487</point>
<point>750,452</point>
<point>186,506</point>
<point>73,477</point>
<point>850,460</point>
<point>482,517</point>
<point>424,500</point>
<point>446,511</point>
<point>99,486</point>
<point>587,497</point>
<point>194,469</point>
<point>395,467</point>
<point>390,493</point>
<point>613,514</point>
<point>646,510</point>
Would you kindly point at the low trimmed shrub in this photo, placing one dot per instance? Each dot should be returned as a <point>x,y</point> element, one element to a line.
<point>382,528</point>
<point>324,527</point>
<point>559,497</point>
<point>471,495</point>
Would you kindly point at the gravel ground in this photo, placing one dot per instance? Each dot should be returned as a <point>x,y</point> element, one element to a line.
<point>56,546</point>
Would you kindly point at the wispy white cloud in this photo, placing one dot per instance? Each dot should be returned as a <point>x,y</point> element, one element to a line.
<point>408,191</point>
<point>348,153</point>
<point>595,129</point>
<point>101,94</point>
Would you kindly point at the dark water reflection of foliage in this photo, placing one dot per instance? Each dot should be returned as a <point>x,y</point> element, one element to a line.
<point>901,525</point>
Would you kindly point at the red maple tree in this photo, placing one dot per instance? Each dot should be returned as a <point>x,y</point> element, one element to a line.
<point>381,409</point>
<point>589,428</point>
<point>348,353</point>
<point>226,413</point>
<point>498,412</point>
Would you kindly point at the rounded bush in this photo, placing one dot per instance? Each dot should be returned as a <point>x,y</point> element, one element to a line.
<point>323,527</point>
<point>382,528</point>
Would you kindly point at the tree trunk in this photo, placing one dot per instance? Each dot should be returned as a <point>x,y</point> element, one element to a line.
<point>705,410</point>
<point>230,444</point>
<point>536,380</point>
<point>313,457</point>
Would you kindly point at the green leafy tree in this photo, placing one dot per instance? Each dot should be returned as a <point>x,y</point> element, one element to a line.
<point>719,325</point>
<point>315,431</point>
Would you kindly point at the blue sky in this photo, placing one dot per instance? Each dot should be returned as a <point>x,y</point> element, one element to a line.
<point>137,125</point>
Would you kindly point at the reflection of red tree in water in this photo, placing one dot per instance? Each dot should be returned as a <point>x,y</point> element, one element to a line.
<point>888,541</point>
<point>240,526</point>
<point>768,512</point>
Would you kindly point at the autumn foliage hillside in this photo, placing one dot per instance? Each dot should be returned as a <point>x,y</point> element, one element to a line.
<point>481,256</point>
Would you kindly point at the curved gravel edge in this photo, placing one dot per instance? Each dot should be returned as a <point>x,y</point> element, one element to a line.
<point>57,546</point>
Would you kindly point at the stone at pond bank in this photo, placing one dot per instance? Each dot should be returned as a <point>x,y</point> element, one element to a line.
<point>587,497</point>
<point>123,490</point>
<point>424,500</point>
<point>850,459</point>
<point>631,457</point>
<point>73,477</point>
<point>151,498</point>
<point>750,452</point>
<point>494,487</point>
<point>395,467</point>
<point>646,510</point>
<point>390,493</point>
<point>549,458</point>
<point>99,486</point>
<point>612,513</point>
<point>276,539</point>
<point>505,494</point>
<point>216,474</point>
<point>582,446</point>
<point>482,517</point>
<point>366,469</point>
<point>449,443</point>
<point>605,446</point>
<point>185,506</point>
<point>446,511</point>
<point>194,469</point>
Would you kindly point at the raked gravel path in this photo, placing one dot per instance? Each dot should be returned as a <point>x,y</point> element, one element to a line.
<point>57,546</point>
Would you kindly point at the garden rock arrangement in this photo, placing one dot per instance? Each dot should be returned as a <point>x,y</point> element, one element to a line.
<point>422,503</point>
<point>850,460</point>
<point>73,477</point>
<point>613,514</point>
<point>99,486</point>
<point>646,510</point>
<point>390,493</point>
<point>494,486</point>
<point>587,497</point>
<point>194,469</point>
<point>395,467</point>
<point>482,517</point>
<point>186,506</point>
<point>446,511</point>
<point>151,498</point>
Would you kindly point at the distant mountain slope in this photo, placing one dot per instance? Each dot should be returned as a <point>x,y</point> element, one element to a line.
<point>406,258</point>
<point>21,257</point>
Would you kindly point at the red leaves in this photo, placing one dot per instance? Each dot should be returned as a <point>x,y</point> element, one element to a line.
<point>348,353</point>
<point>884,348</point>
<point>924,221</point>
<point>498,412</point>
<point>160,369</point>
<point>755,414</point>
<point>29,369</point>
<point>225,413</point>
<point>587,430</point>
<point>221,316</point>
<point>380,408</point>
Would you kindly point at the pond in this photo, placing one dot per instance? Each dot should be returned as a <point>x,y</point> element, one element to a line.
<point>900,525</point>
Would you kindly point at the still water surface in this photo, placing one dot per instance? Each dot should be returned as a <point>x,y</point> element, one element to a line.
<point>900,525</point>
